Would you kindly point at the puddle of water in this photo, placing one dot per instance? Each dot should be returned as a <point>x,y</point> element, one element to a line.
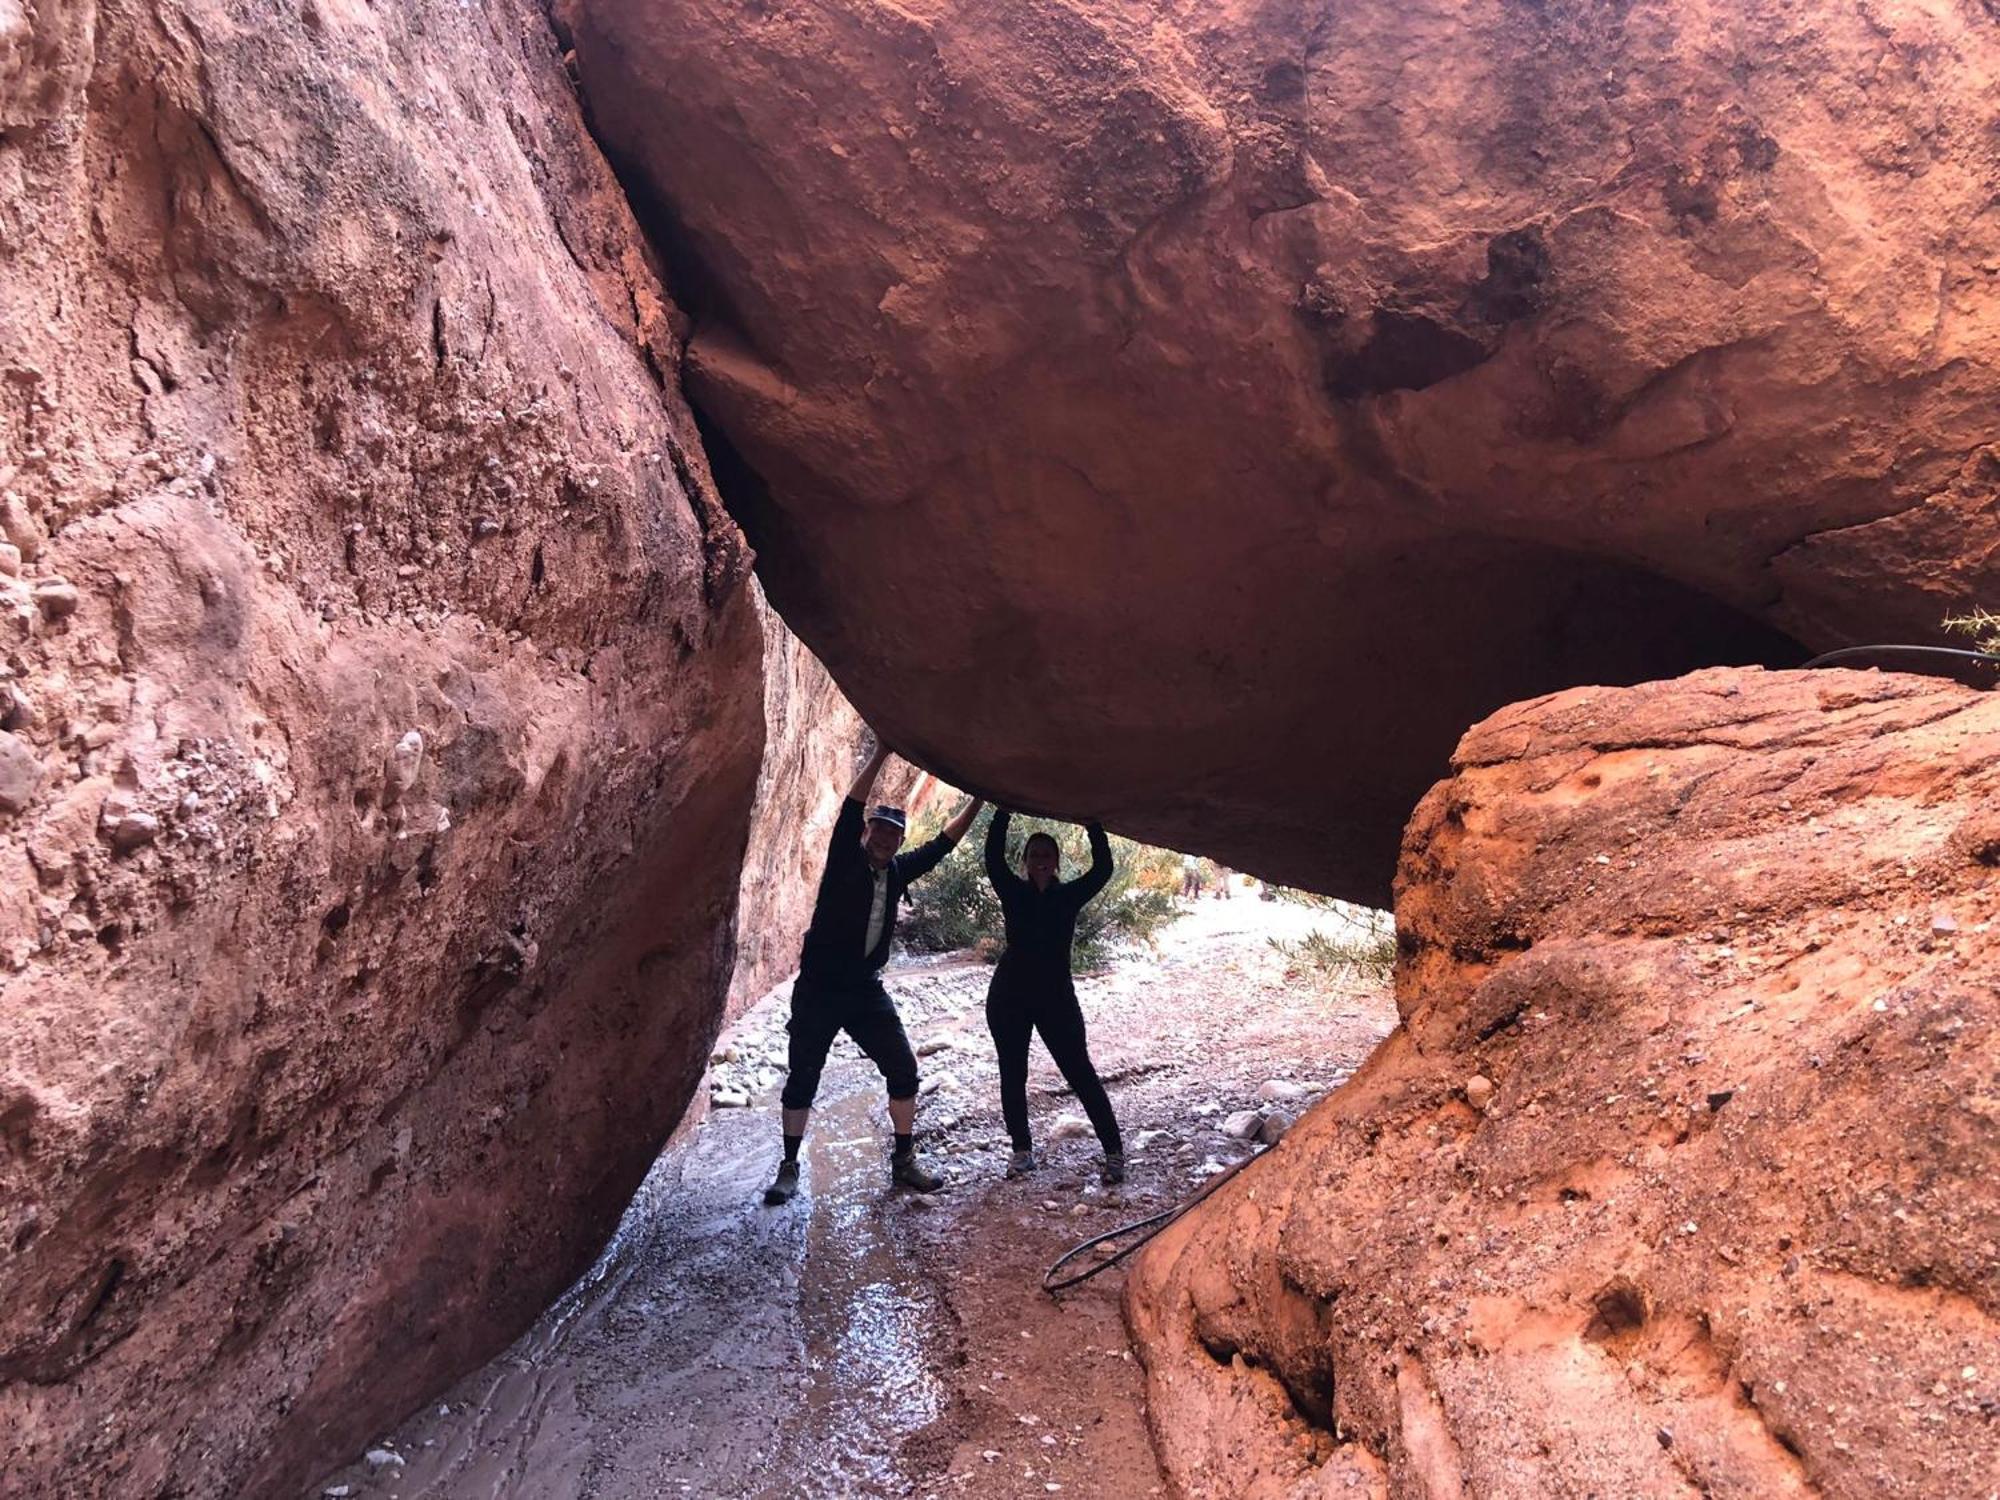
<point>717,1348</point>
<point>874,1329</point>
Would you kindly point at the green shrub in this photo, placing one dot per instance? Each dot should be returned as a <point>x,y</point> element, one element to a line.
<point>1324,957</point>
<point>1982,625</point>
<point>954,907</point>
<point>1364,948</point>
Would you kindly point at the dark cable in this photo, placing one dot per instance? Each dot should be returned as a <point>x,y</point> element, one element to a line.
<point>1152,1225</point>
<point>1827,659</point>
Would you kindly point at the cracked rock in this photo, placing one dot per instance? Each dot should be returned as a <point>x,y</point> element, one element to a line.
<point>57,598</point>
<point>20,773</point>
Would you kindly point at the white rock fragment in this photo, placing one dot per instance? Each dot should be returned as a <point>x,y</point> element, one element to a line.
<point>404,762</point>
<point>1069,1128</point>
<point>383,1458</point>
<point>1278,1091</point>
<point>133,831</point>
<point>1243,1125</point>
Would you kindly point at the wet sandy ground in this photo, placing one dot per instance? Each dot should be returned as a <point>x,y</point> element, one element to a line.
<point>864,1342</point>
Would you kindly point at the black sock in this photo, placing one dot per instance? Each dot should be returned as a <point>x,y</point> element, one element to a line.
<point>905,1144</point>
<point>792,1147</point>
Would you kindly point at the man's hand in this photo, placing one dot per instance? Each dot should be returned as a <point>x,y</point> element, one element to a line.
<point>962,819</point>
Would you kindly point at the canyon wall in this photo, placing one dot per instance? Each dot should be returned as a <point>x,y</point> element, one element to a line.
<point>1196,414</point>
<point>1676,1177</point>
<point>379,722</point>
<point>813,739</point>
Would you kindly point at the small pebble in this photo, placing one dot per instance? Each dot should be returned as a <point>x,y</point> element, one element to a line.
<point>1244,1125</point>
<point>134,831</point>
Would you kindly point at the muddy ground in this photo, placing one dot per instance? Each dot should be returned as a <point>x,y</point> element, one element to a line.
<point>861,1341</point>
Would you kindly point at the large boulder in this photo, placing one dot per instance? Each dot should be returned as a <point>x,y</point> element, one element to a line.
<point>379,719</point>
<point>1677,1177</point>
<point>1196,415</point>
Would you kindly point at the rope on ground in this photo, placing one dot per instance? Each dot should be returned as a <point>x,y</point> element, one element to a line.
<point>1151,1226</point>
<point>1959,653</point>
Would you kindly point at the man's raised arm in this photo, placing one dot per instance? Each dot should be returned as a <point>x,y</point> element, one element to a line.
<point>864,779</point>
<point>843,845</point>
<point>923,859</point>
<point>961,822</point>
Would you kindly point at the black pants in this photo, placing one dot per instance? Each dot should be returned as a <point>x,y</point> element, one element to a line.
<point>821,1010</point>
<point>1014,1009</point>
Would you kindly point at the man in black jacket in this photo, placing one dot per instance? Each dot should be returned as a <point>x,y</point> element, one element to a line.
<point>839,987</point>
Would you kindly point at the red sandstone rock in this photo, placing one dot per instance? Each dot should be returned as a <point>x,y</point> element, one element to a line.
<point>812,738</point>
<point>1251,395</point>
<point>376,779</point>
<point>1728,1224</point>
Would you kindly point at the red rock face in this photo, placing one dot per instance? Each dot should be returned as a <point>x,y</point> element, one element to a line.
<point>1677,1176</point>
<point>812,737</point>
<point>378,725</point>
<point>1197,414</point>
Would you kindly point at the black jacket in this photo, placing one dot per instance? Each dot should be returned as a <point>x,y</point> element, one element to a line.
<point>1041,925</point>
<point>839,927</point>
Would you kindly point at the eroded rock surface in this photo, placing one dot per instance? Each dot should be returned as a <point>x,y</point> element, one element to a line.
<point>1261,392</point>
<point>812,740</point>
<point>1677,1176</point>
<point>378,724</point>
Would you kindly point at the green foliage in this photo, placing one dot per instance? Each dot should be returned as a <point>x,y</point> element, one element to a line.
<point>1982,625</point>
<point>1364,947</point>
<point>954,906</point>
<point>1312,898</point>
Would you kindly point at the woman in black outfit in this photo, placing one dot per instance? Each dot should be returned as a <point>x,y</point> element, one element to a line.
<point>1032,989</point>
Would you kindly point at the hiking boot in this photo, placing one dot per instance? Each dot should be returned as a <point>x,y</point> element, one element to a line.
<point>906,1171</point>
<point>783,1186</point>
<point>1114,1167</point>
<point>1021,1163</point>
